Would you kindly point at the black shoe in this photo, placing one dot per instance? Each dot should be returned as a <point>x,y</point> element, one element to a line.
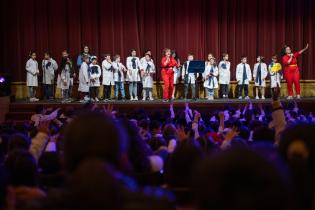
<point>123,99</point>
<point>194,99</point>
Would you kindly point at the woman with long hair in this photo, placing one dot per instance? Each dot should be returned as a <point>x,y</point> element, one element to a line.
<point>177,72</point>
<point>291,70</point>
<point>168,63</point>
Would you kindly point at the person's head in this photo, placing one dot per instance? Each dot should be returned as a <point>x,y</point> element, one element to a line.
<point>46,56</point>
<point>19,141</point>
<point>86,50</point>
<point>260,59</point>
<point>286,50</point>
<point>155,127</point>
<point>244,59</point>
<point>65,54</point>
<point>107,57</point>
<point>147,57</point>
<point>190,57</point>
<point>117,58</point>
<point>148,52</point>
<point>212,61</point>
<point>263,133</point>
<point>174,54</point>
<point>33,55</point>
<point>225,56</point>
<point>22,169</point>
<point>210,56</point>
<point>83,139</point>
<point>240,179</point>
<point>86,59</point>
<point>169,131</point>
<point>133,53</point>
<point>94,60</point>
<point>274,58</point>
<point>167,52</point>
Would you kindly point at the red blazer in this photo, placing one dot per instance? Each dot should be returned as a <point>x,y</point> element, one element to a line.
<point>290,66</point>
<point>168,66</point>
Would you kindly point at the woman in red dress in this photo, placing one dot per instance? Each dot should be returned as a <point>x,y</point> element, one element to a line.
<point>168,63</point>
<point>291,70</point>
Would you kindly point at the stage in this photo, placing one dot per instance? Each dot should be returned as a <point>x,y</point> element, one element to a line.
<point>22,109</point>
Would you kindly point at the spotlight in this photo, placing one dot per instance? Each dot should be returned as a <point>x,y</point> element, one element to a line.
<point>5,85</point>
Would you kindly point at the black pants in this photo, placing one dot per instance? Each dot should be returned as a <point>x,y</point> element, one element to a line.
<point>193,90</point>
<point>224,90</point>
<point>93,92</point>
<point>107,91</point>
<point>241,88</point>
<point>48,91</point>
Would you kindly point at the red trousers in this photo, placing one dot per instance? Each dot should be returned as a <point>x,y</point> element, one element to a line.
<point>168,79</point>
<point>293,77</point>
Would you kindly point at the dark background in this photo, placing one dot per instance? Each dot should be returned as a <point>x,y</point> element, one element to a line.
<point>238,27</point>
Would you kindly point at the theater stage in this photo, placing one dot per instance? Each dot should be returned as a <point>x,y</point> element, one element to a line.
<point>21,110</point>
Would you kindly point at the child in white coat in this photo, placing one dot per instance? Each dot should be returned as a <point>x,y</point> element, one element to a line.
<point>147,79</point>
<point>49,66</point>
<point>260,74</point>
<point>275,73</point>
<point>32,72</point>
<point>243,76</point>
<point>210,77</point>
<point>134,67</point>
<point>108,76</point>
<point>189,78</point>
<point>119,71</point>
<point>65,76</point>
<point>224,75</point>
<point>95,74</point>
<point>84,79</point>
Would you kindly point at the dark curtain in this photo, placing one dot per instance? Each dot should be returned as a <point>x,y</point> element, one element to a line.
<point>238,27</point>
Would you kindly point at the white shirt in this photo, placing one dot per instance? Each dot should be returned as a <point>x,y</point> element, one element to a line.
<point>31,73</point>
<point>224,72</point>
<point>108,75</point>
<point>239,74</point>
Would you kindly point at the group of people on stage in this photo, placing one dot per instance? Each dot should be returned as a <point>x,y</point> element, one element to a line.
<point>92,73</point>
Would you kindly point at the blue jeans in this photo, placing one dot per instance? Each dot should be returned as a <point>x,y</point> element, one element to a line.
<point>31,91</point>
<point>210,92</point>
<point>65,93</point>
<point>48,91</point>
<point>133,88</point>
<point>119,86</point>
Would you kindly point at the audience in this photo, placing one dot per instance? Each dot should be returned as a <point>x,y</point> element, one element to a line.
<point>96,157</point>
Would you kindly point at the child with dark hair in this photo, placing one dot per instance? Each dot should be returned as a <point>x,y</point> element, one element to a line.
<point>243,77</point>
<point>32,73</point>
<point>49,66</point>
<point>260,74</point>
<point>94,75</point>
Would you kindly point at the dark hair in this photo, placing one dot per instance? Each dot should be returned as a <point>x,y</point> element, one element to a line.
<point>47,53</point>
<point>19,141</point>
<point>176,55</point>
<point>84,138</point>
<point>116,56</point>
<point>224,54</point>
<point>31,53</point>
<point>243,56</point>
<point>282,53</point>
<point>262,58</point>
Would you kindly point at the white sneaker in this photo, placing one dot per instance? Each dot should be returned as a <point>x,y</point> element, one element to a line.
<point>289,97</point>
<point>31,99</point>
<point>298,97</point>
<point>210,98</point>
<point>247,98</point>
<point>263,98</point>
<point>257,97</point>
<point>136,98</point>
<point>131,98</point>
<point>97,100</point>
<point>240,98</point>
<point>151,98</point>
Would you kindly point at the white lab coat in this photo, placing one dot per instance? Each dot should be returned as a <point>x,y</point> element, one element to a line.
<point>275,78</point>
<point>224,73</point>
<point>118,67</point>
<point>264,74</point>
<point>191,76</point>
<point>31,73</point>
<point>176,74</point>
<point>210,82</point>
<point>108,75</point>
<point>65,79</point>
<point>239,74</point>
<point>95,74</point>
<point>133,74</point>
<point>49,71</point>
<point>84,78</point>
<point>147,79</point>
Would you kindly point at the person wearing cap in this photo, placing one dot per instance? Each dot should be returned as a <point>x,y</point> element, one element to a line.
<point>95,74</point>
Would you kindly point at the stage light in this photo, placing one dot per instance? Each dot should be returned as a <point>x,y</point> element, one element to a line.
<point>2,80</point>
<point>5,85</point>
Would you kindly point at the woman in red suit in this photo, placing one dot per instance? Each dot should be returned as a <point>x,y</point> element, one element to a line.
<point>168,63</point>
<point>291,70</point>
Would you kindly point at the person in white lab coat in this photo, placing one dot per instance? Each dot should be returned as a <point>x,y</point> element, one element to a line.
<point>275,73</point>
<point>66,69</point>
<point>32,72</point>
<point>84,79</point>
<point>260,74</point>
<point>243,77</point>
<point>119,78</point>
<point>147,78</point>
<point>49,66</point>
<point>210,77</point>
<point>189,78</point>
<point>177,72</point>
<point>95,74</point>
<point>224,75</point>
<point>133,75</point>
<point>108,77</point>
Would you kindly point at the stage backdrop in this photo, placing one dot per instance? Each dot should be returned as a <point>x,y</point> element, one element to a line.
<point>239,27</point>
